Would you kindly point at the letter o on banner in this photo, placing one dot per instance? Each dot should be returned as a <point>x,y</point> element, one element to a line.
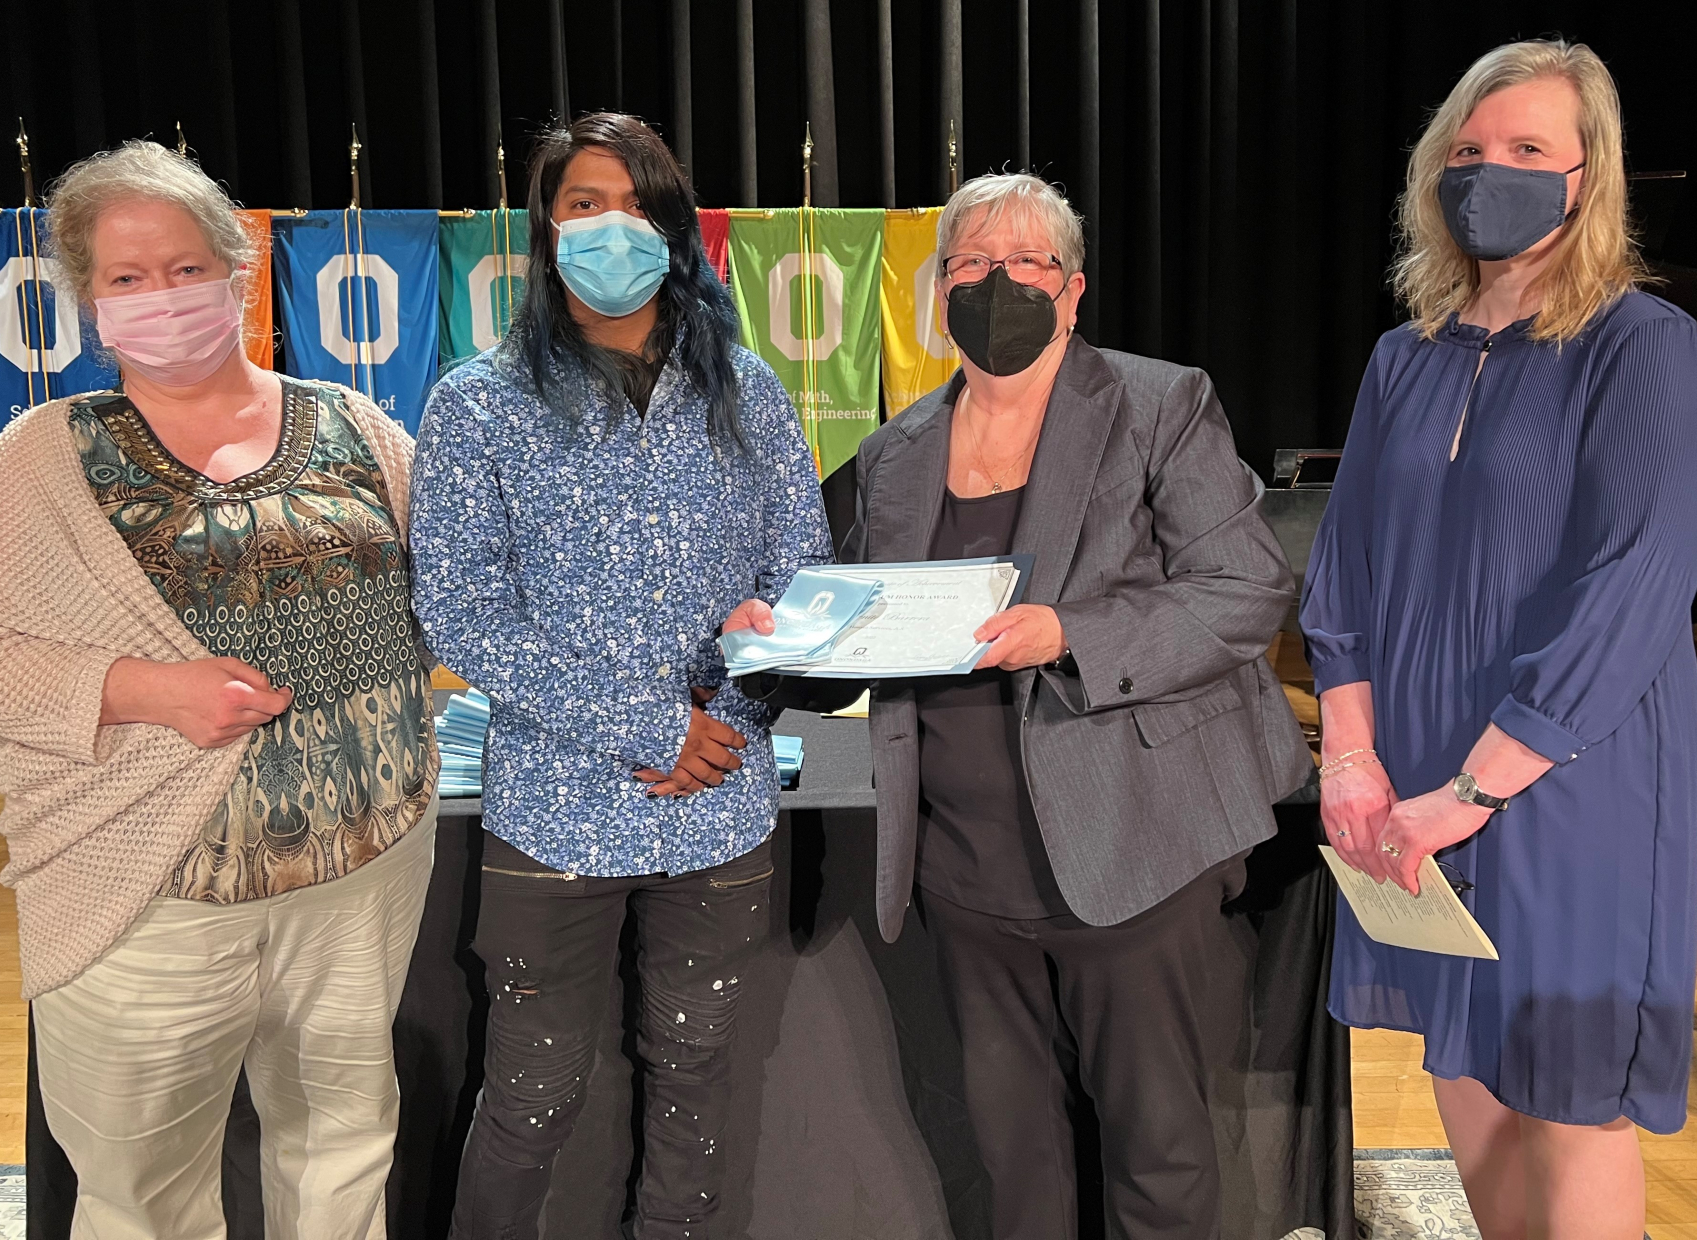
<point>925,316</point>
<point>331,333</point>
<point>15,336</point>
<point>480,287</point>
<point>780,282</point>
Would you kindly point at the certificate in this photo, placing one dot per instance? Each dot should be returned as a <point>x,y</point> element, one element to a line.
<point>923,619</point>
<point>1434,921</point>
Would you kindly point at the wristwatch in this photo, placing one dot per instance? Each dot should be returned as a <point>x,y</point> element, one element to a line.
<point>1466,789</point>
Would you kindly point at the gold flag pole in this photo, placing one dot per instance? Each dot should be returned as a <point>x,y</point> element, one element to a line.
<point>368,345</point>
<point>23,164</point>
<point>182,142</point>
<point>34,270</point>
<point>354,149</point>
<point>355,268</point>
<point>29,344</point>
<point>807,239</point>
<point>40,304</point>
<point>349,272</point>
<point>501,168</point>
<point>807,168</point>
<point>954,159</point>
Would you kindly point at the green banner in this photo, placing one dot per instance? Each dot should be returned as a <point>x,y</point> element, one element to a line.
<point>482,280</point>
<point>806,284</point>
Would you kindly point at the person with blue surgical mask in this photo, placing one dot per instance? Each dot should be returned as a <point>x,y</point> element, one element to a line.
<point>592,498</point>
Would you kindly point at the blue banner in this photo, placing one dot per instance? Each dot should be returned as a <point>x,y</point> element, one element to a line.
<point>46,349</point>
<point>359,296</point>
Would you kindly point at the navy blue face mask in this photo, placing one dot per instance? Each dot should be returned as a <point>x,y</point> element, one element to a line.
<point>1495,211</point>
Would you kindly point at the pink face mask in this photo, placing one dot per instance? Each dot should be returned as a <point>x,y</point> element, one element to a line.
<point>175,337</point>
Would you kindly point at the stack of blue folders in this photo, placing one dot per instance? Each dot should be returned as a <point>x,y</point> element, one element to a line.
<point>787,750</point>
<point>810,617</point>
<point>460,732</point>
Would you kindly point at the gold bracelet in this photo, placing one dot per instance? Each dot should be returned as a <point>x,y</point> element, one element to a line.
<point>1343,757</point>
<point>1326,772</point>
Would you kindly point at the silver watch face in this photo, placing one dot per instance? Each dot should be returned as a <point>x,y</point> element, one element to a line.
<point>1466,786</point>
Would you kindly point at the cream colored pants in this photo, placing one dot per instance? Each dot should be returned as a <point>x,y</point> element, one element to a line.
<point>139,1055</point>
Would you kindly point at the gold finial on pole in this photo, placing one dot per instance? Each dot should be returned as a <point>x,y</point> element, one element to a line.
<point>354,149</point>
<point>23,164</point>
<point>807,168</point>
<point>501,167</point>
<point>182,142</point>
<point>954,159</point>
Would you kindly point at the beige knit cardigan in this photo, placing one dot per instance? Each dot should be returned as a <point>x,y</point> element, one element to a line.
<point>96,816</point>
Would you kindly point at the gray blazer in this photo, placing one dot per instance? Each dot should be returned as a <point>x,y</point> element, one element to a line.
<point>1162,756</point>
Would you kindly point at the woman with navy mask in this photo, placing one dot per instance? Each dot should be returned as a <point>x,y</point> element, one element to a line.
<point>591,499</point>
<point>1498,619</point>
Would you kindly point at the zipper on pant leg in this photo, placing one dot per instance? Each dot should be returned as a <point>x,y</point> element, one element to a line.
<point>559,874</point>
<point>741,882</point>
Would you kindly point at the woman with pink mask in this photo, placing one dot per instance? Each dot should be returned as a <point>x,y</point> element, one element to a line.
<point>215,735</point>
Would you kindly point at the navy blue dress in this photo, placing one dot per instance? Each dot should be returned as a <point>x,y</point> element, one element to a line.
<point>1543,580</point>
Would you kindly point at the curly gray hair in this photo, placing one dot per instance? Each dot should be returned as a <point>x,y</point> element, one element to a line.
<point>137,170</point>
<point>985,201</point>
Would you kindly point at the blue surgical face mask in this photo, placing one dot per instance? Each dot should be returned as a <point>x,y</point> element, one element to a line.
<point>1495,212</point>
<point>614,262</point>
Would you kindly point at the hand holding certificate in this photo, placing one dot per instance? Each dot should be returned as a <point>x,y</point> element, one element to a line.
<point>884,620</point>
<point>816,608</point>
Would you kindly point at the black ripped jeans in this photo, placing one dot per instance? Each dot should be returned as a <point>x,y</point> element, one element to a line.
<point>549,944</point>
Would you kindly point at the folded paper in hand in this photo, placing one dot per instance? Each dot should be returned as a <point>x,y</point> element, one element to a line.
<point>817,607</point>
<point>1434,921</point>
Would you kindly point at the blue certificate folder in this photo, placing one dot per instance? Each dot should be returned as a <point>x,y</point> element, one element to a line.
<point>818,606</point>
<point>460,733</point>
<point>787,751</point>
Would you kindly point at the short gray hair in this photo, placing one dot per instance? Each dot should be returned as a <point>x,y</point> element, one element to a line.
<point>137,170</point>
<point>987,200</point>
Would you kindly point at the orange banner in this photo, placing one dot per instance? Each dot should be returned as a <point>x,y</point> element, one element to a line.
<point>256,314</point>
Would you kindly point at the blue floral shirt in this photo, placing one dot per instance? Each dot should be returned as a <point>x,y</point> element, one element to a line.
<point>578,575</point>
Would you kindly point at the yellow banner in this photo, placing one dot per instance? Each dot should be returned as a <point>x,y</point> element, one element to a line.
<point>917,357</point>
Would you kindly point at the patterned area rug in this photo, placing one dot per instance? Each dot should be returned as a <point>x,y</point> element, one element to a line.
<point>11,1202</point>
<point>1399,1195</point>
<point>1410,1195</point>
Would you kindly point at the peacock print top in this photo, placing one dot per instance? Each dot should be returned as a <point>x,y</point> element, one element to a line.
<point>297,569</point>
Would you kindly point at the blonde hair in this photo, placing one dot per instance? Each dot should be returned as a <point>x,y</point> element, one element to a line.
<point>138,170</point>
<point>1595,260</point>
<point>987,200</point>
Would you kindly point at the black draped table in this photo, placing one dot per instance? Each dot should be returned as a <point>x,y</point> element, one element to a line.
<point>848,1122</point>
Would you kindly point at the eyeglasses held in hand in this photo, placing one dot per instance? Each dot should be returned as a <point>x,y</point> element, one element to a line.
<point>1453,877</point>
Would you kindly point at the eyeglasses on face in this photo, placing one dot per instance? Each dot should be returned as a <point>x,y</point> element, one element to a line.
<point>1022,266</point>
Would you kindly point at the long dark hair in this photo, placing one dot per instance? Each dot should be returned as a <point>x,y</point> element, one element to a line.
<point>695,306</point>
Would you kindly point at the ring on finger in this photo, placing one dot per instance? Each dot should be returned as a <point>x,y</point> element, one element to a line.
<point>1343,835</point>
<point>1392,849</point>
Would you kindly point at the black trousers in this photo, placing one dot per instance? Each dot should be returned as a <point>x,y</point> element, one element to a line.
<point>549,945</point>
<point>1130,1009</point>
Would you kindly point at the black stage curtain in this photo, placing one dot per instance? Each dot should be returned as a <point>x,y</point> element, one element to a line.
<point>1238,159</point>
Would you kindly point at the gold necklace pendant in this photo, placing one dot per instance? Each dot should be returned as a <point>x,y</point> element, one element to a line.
<point>995,488</point>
